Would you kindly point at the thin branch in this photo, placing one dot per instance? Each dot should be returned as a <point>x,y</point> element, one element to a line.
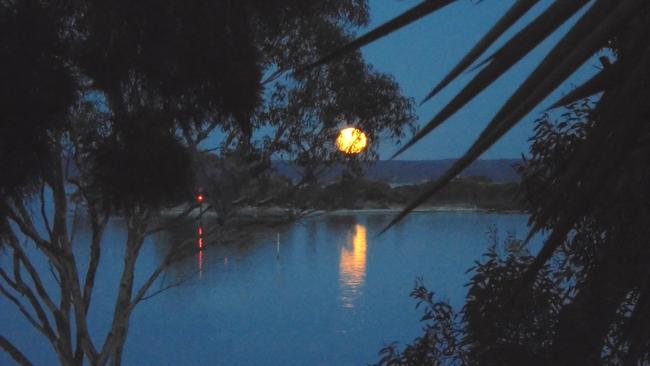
<point>21,257</point>
<point>21,218</point>
<point>194,139</point>
<point>176,219</point>
<point>274,76</point>
<point>43,213</point>
<point>204,133</point>
<point>170,258</point>
<point>20,287</point>
<point>98,227</point>
<point>230,138</point>
<point>145,287</point>
<point>75,215</point>
<point>44,329</point>
<point>14,352</point>
<point>60,208</point>
<point>26,227</point>
<point>56,278</point>
<point>165,288</point>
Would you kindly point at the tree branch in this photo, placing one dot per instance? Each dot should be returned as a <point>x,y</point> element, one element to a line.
<point>170,258</point>
<point>19,286</point>
<point>161,290</point>
<point>82,298</point>
<point>136,224</point>
<point>14,352</point>
<point>43,213</point>
<point>98,226</point>
<point>45,329</point>
<point>26,227</point>
<point>176,219</point>
<point>20,255</point>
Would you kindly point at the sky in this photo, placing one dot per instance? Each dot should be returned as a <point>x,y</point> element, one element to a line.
<point>421,54</point>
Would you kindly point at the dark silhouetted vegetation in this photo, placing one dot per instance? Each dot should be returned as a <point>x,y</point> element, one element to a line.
<point>358,193</point>
<point>584,306</point>
<point>488,330</point>
<point>106,110</point>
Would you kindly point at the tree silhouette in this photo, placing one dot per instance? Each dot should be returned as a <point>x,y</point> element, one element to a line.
<point>105,105</point>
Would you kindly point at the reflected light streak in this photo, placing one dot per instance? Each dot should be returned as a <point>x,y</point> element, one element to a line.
<point>200,263</point>
<point>352,267</point>
<point>200,232</point>
<point>200,240</point>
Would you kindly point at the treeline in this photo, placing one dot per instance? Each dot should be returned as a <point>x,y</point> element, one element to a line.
<point>470,192</point>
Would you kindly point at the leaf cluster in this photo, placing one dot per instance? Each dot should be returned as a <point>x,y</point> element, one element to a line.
<point>36,89</point>
<point>588,301</point>
<point>488,330</point>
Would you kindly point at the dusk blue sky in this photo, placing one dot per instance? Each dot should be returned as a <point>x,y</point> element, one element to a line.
<point>421,54</point>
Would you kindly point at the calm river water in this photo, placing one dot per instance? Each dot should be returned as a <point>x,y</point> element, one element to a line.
<point>334,294</point>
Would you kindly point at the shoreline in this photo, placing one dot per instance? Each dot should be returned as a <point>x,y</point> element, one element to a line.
<point>275,211</point>
<point>396,210</point>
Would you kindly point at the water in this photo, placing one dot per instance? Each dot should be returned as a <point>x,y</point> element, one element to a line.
<point>331,293</point>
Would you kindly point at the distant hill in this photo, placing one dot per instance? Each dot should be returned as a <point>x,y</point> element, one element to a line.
<point>399,172</point>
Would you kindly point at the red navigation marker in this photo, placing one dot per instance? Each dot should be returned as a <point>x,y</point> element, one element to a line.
<point>200,198</point>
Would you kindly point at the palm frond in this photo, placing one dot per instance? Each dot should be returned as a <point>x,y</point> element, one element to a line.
<point>599,24</point>
<point>605,150</point>
<point>508,55</point>
<point>590,33</point>
<point>600,82</point>
<point>515,13</point>
<point>417,12</point>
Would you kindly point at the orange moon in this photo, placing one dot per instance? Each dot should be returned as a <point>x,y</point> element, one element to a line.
<point>351,141</point>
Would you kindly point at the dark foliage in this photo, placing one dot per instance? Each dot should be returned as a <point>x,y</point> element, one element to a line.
<point>441,342</point>
<point>586,306</point>
<point>129,174</point>
<point>498,333</point>
<point>192,59</point>
<point>606,254</point>
<point>162,75</point>
<point>488,330</point>
<point>36,89</point>
<point>357,193</point>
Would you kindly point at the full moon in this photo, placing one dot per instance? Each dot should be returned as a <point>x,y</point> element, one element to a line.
<point>351,140</point>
